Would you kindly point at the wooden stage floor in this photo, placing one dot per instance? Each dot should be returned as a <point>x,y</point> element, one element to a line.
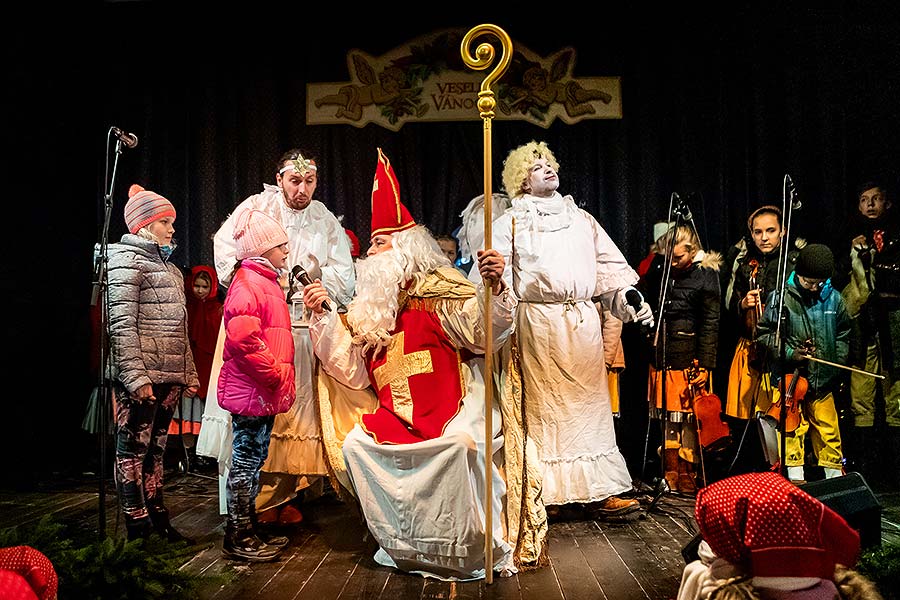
<point>330,556</point>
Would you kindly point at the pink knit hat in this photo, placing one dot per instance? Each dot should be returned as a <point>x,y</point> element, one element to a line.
<point>255,233</point>
<point>144,207</point>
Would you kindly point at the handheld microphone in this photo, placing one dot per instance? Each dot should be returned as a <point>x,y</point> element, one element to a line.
<point>128,139</point>
<point>634,300</point>
<point>300,274</point>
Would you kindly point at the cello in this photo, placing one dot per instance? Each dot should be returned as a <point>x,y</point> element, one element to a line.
<point>712,431</point>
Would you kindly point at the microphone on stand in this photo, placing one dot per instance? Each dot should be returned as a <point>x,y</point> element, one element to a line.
<point>300,274</point>
<point>792,190</point>
<point>681,208</point>
<point>128,139</point>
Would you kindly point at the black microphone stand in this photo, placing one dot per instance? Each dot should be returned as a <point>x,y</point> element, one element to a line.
<point>788,203</point>
<point>100,293</point>
<point>682,214</point>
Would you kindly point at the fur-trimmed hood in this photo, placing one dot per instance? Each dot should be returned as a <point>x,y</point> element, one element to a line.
<point>709,260</point>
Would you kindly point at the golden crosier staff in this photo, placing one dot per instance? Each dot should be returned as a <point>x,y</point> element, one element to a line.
<point>484,56</point>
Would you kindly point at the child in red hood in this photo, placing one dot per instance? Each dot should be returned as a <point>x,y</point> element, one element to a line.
<point>204,318</point>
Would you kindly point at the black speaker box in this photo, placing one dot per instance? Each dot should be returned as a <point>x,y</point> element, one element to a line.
<point>850,496</point>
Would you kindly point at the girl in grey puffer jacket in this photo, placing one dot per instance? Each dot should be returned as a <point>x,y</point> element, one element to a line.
<point>151,361</point>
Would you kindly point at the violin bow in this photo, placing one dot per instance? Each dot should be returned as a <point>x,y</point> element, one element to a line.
<point>834,364</point>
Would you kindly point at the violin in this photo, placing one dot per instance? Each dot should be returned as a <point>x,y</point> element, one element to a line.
<point>793,388</point>
<point>753,317</point>
<point>711,429</point>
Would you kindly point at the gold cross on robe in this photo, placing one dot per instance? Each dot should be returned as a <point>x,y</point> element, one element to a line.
<point>397,370</point>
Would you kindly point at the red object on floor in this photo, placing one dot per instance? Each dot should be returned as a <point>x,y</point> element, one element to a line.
<point>290,515</point>
<point>268,516</point>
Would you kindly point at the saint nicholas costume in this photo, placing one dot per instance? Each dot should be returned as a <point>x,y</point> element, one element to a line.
<point>414,457</point>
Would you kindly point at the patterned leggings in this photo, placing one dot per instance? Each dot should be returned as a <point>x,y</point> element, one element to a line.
<point>141,433</point>
<point>249,450</point>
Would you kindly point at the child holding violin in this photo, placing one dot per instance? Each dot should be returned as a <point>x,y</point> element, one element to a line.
<point>754,276</point>
<point>815,326</point>
<point>691,322</point>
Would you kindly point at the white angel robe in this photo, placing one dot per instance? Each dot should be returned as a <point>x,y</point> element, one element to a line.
<point>557,260</point>
<point>424,501</point>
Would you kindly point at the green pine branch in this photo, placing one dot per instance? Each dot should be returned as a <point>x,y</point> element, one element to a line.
<point>114,568</point>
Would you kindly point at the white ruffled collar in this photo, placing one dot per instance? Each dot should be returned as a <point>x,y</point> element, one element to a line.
<point>546,214</point>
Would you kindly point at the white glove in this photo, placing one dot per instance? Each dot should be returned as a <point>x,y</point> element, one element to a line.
<point>644,316</point>
<point>627,298</point>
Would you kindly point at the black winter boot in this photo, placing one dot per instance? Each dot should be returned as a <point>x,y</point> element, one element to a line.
<point>138,529</point>
<point>263,533</point>
<point>159,516</point>
<point>243,544</point>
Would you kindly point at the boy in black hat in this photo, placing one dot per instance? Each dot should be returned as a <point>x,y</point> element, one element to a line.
<point>815,325</point>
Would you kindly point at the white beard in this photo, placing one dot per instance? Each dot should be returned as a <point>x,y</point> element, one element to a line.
<point>372,314</point>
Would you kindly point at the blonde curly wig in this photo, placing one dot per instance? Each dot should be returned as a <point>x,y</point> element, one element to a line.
<point>519,162</point>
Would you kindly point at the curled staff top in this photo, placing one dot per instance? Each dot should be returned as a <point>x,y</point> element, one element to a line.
<point>483,58</point>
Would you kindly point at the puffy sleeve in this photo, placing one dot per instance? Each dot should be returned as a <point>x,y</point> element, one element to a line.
<point>464,322</point>
<point>613,271</point>
<point>125,281</point>
<point>332,343</point>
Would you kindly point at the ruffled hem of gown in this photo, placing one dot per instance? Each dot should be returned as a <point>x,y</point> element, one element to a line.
<point>588,478</point>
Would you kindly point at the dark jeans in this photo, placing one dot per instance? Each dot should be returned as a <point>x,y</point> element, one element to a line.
<point>141,433</point>
<point>249,450</point>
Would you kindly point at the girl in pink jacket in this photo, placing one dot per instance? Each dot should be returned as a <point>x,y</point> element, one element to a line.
<point>257,377</point>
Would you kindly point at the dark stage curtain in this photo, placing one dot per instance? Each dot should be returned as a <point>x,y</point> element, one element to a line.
<point>718,106</point>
